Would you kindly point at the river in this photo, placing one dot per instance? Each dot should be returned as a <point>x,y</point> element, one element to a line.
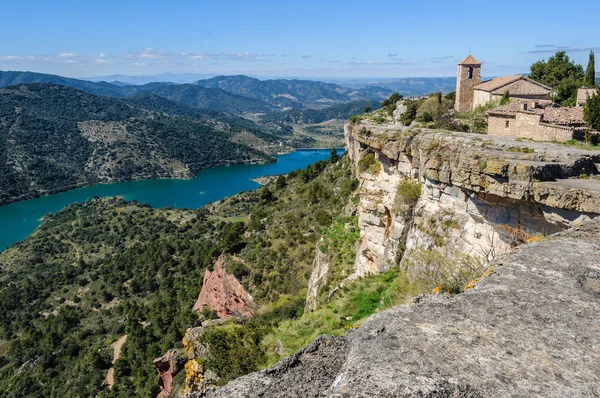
<point>18,220</point>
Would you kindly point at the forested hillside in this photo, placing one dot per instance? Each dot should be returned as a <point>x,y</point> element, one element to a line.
<point>314,116</point>
<point>293,93</point>
<point>106,268</point>
<point>54,138</point>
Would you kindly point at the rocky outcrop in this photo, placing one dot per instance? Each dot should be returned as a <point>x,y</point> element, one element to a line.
<point>167,368</point>
<point>530,329</point>
<point>480,195</point>
<point>307,374</point>
<point>317,279</point>
<point>222,293</point>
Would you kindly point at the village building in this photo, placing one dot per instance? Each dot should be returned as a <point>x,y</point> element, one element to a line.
<point>584,93</point>
<point>471,92</point>
<point>537,120</point>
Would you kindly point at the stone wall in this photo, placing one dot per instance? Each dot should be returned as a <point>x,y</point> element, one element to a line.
<point>464,87</point>
<point>527,125</point>
<point>481,98</point>
<point>584,93</point>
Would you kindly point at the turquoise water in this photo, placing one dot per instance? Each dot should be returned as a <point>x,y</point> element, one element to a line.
<point>18,220</point>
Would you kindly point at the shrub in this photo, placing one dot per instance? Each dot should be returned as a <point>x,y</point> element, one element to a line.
<point>408,193</point>
<point>447,269</point>
<point>368,162</point>
<point>355,119</point>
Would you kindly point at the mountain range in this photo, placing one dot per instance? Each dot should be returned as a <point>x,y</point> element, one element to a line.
<point>234,94</point>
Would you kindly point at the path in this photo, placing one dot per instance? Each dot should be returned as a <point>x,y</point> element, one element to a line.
<point>110,376</point>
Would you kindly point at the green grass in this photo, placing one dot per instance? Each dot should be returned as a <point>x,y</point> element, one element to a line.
<point>348,309</point>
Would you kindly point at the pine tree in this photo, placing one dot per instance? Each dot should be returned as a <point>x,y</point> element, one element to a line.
<point>590,72</point>
<point>591,114</point>
<point>333,156</point>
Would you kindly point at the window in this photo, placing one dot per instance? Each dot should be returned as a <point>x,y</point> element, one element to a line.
<point>507,124</point>
<point>470,75</point>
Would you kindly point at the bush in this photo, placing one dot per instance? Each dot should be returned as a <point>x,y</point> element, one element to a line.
<point>448,270</point>
<point>355,119</point>
<point>408,193</point>
<point>368,162</point>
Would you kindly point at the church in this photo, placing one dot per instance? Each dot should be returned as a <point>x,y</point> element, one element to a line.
<point>471,92</point>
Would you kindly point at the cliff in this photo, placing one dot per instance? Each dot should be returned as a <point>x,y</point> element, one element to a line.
<point>529,329</point>
<point>479,195</point>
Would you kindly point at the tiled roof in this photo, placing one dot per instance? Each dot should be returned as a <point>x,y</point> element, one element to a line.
<point>517,85</point>
<point>497,83</point>
<point>469,60</point>
<point>564,116</point>
<point>524,86</point>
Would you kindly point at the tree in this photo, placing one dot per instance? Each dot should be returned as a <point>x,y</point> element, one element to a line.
<point>281,182</point>
<point>560,73</point>
<point>505,98</point>
<point>591,113</point>
<point>333,156</point>
<point>368,109</point>
<point>590,72</point>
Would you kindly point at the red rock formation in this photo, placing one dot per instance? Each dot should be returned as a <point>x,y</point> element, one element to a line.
<point>222,293</point>
<point>167,367</point>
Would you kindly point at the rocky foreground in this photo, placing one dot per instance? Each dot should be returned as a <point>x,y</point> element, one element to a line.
<point>530,329</point>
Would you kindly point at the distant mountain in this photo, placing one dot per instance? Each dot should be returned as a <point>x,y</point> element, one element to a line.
<point>233,94</point>
<point>202,97</point>
<point>313,116</point>
<point>410,86</point>
<point>293,93</point>
<point>54,138</point>
<point>188,94</point>
<point>179,78</point>
<point>11,78</point>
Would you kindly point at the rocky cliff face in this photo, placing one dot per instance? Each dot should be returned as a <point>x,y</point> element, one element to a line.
<point>530,329</point>
<point>479,195</point>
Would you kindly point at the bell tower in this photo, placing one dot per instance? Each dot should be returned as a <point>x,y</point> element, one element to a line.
<point>468,76</point>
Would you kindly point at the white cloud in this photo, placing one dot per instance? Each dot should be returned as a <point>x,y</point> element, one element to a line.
<point>68,55</point>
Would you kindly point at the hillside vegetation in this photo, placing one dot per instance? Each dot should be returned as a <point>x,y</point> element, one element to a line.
<point>105,268</point>
<point>54,138</point>
<point>315,116</point>
<point>293,93</point>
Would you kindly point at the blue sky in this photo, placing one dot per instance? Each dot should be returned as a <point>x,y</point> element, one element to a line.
<point>307,38</point>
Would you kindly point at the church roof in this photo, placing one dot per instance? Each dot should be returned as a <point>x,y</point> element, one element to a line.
<point>515,85</point>
<point>469,60</point>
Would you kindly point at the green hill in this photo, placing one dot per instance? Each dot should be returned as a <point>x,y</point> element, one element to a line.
<point>293,93</point>
<point>54,138</point>
<point>313,116</point>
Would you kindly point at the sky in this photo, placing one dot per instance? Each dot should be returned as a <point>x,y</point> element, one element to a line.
<point>307,38</point>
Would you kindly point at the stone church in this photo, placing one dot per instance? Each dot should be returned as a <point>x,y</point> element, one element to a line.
<point>471,92</point>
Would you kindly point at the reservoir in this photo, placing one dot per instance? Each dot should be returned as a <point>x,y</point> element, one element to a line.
<point>18,220</point>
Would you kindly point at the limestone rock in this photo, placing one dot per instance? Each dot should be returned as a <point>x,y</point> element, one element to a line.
<point>480,195</point>
<point>222,293</point>
<point>318,278</point>
<point>307,374</point>
<point>530,329</point>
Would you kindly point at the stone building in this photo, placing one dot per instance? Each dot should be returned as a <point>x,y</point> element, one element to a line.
<point>584,93</point>
<point>471,92</point>
<point>536,120</point>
